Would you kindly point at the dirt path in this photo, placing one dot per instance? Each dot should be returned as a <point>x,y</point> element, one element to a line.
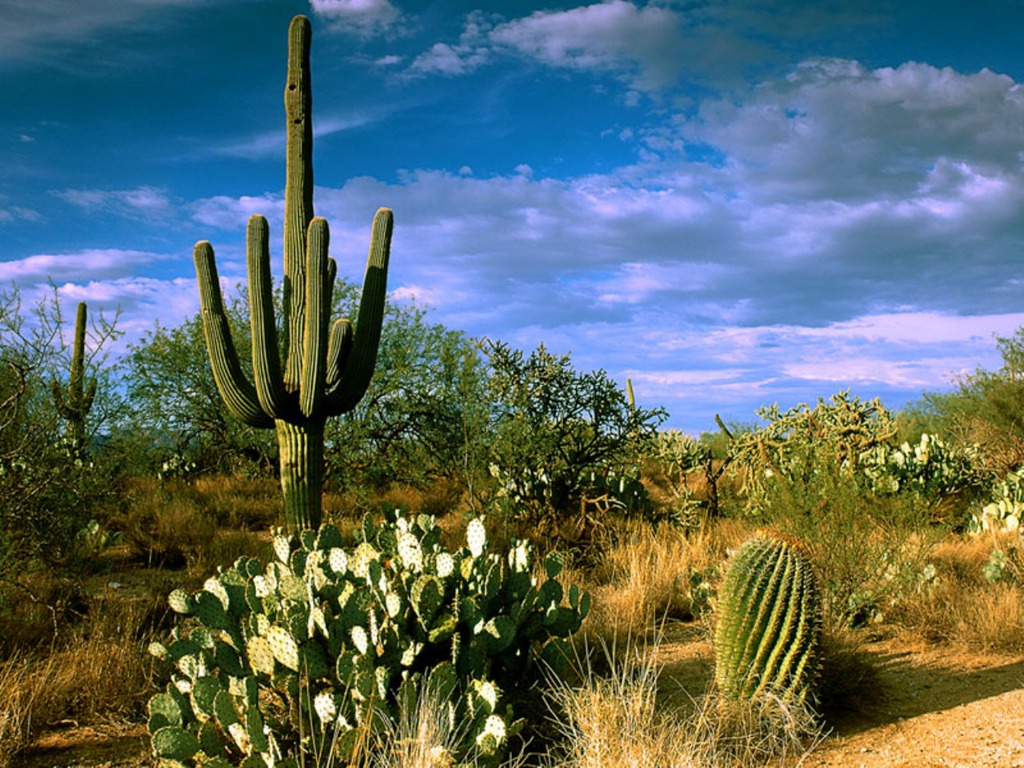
<point>931,707</point>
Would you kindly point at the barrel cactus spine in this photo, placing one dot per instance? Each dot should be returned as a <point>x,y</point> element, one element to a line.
<point>318,370</point>
<point>74,405</point>
<point>768,627</point>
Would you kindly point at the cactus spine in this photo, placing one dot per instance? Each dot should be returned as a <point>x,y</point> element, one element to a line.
<point>769,621</point>
<point>74,406</point>
<point>319,370</point>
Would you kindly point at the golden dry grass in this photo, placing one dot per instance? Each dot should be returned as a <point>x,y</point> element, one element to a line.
<point>959,605</point>
<point>617,719</point>
<point>102,671</point>
<point>650,575</point>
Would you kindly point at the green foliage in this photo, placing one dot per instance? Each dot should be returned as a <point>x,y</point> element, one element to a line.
<point>554,426</point>
<point>311,370</point>
<point>933,470</point>
<point>48,483</point>
<point>986,408</point>
<point>868,548</point>
<point>768,626</point>
<point>679,456</point>
<point>425,414</point>
<point>304,656</point>
<point>176,411</point>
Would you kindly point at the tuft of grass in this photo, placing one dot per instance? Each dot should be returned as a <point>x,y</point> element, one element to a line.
<point>959,605</point>
<point>617,719</point>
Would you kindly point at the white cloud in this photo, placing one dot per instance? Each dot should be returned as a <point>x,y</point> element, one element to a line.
<point>31,28</point>
<point>641,45</point>
<point>142,202</point>
<point>85,264</point>
<point>471,52</point>
<point>230,213</point>
<point>365,17</point>
<point>18,213</point>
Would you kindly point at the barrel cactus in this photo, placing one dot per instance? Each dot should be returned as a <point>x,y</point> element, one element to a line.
<point>769,622</point>
<point>318,370</point>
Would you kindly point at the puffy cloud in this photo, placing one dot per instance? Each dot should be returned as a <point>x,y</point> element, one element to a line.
<point>86,264</point>
<point>641,45</point>
<point>638,45</point>
<point>472,50</point>
<point>364,17</point>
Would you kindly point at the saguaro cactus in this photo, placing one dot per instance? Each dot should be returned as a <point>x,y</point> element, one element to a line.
<point>74,406</point>
<point>769,619</point>
<point>317,371</point>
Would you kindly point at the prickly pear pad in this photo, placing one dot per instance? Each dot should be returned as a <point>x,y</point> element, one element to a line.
<point>309,649</point>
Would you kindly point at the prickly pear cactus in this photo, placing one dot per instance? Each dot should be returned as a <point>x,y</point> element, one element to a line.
<point>769,619</point>
<point>302,656</point>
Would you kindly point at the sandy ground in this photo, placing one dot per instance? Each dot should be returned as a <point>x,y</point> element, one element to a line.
<point>929,707</point>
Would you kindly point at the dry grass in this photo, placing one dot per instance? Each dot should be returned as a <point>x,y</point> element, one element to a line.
<point>652,574</point>
<point>960,606</point>
<point>197,526</point>
<point>617,720</point>
<point>101,672</point>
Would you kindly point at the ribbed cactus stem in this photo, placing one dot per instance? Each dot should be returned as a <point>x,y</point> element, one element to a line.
<point>769,621</point>
<point>318,370</point>
<point>74,406</point>
<point>301,448</point>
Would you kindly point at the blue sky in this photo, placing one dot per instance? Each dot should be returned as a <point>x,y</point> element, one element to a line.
<point>732,203</point>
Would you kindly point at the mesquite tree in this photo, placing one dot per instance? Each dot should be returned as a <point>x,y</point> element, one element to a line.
<point>317,370</point>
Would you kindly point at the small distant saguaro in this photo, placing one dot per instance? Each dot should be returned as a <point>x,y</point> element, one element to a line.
<point>74,405</point>
<point>316,370</point>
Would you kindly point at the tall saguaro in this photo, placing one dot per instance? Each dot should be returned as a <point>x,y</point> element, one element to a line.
<point>318,370</point>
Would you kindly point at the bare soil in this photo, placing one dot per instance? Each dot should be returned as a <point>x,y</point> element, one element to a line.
<point>927,707</point>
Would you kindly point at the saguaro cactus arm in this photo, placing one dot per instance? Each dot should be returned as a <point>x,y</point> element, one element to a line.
<point>358,369</point>
<point>238,393</point>
<point>266,359</point>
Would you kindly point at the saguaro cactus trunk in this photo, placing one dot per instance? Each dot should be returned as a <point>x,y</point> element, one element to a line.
<point>74,406</point>
<point>318,370</point>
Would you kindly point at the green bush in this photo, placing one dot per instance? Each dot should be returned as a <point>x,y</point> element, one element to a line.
<point>300,659</point>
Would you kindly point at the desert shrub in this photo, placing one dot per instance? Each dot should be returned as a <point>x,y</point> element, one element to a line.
<point>804,444</point>
<point>554,428</point>
<point>51,480</point>
<point>986,408</point>
<point>869,549</point>
<point>299,659</point>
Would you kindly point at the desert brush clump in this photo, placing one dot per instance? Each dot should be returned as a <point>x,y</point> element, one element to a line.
<point>317,370</point>
<point>302,657</point>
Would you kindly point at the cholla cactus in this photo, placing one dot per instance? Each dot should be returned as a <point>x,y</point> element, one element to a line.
<point>769,621</point>
<point>318,370</point>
